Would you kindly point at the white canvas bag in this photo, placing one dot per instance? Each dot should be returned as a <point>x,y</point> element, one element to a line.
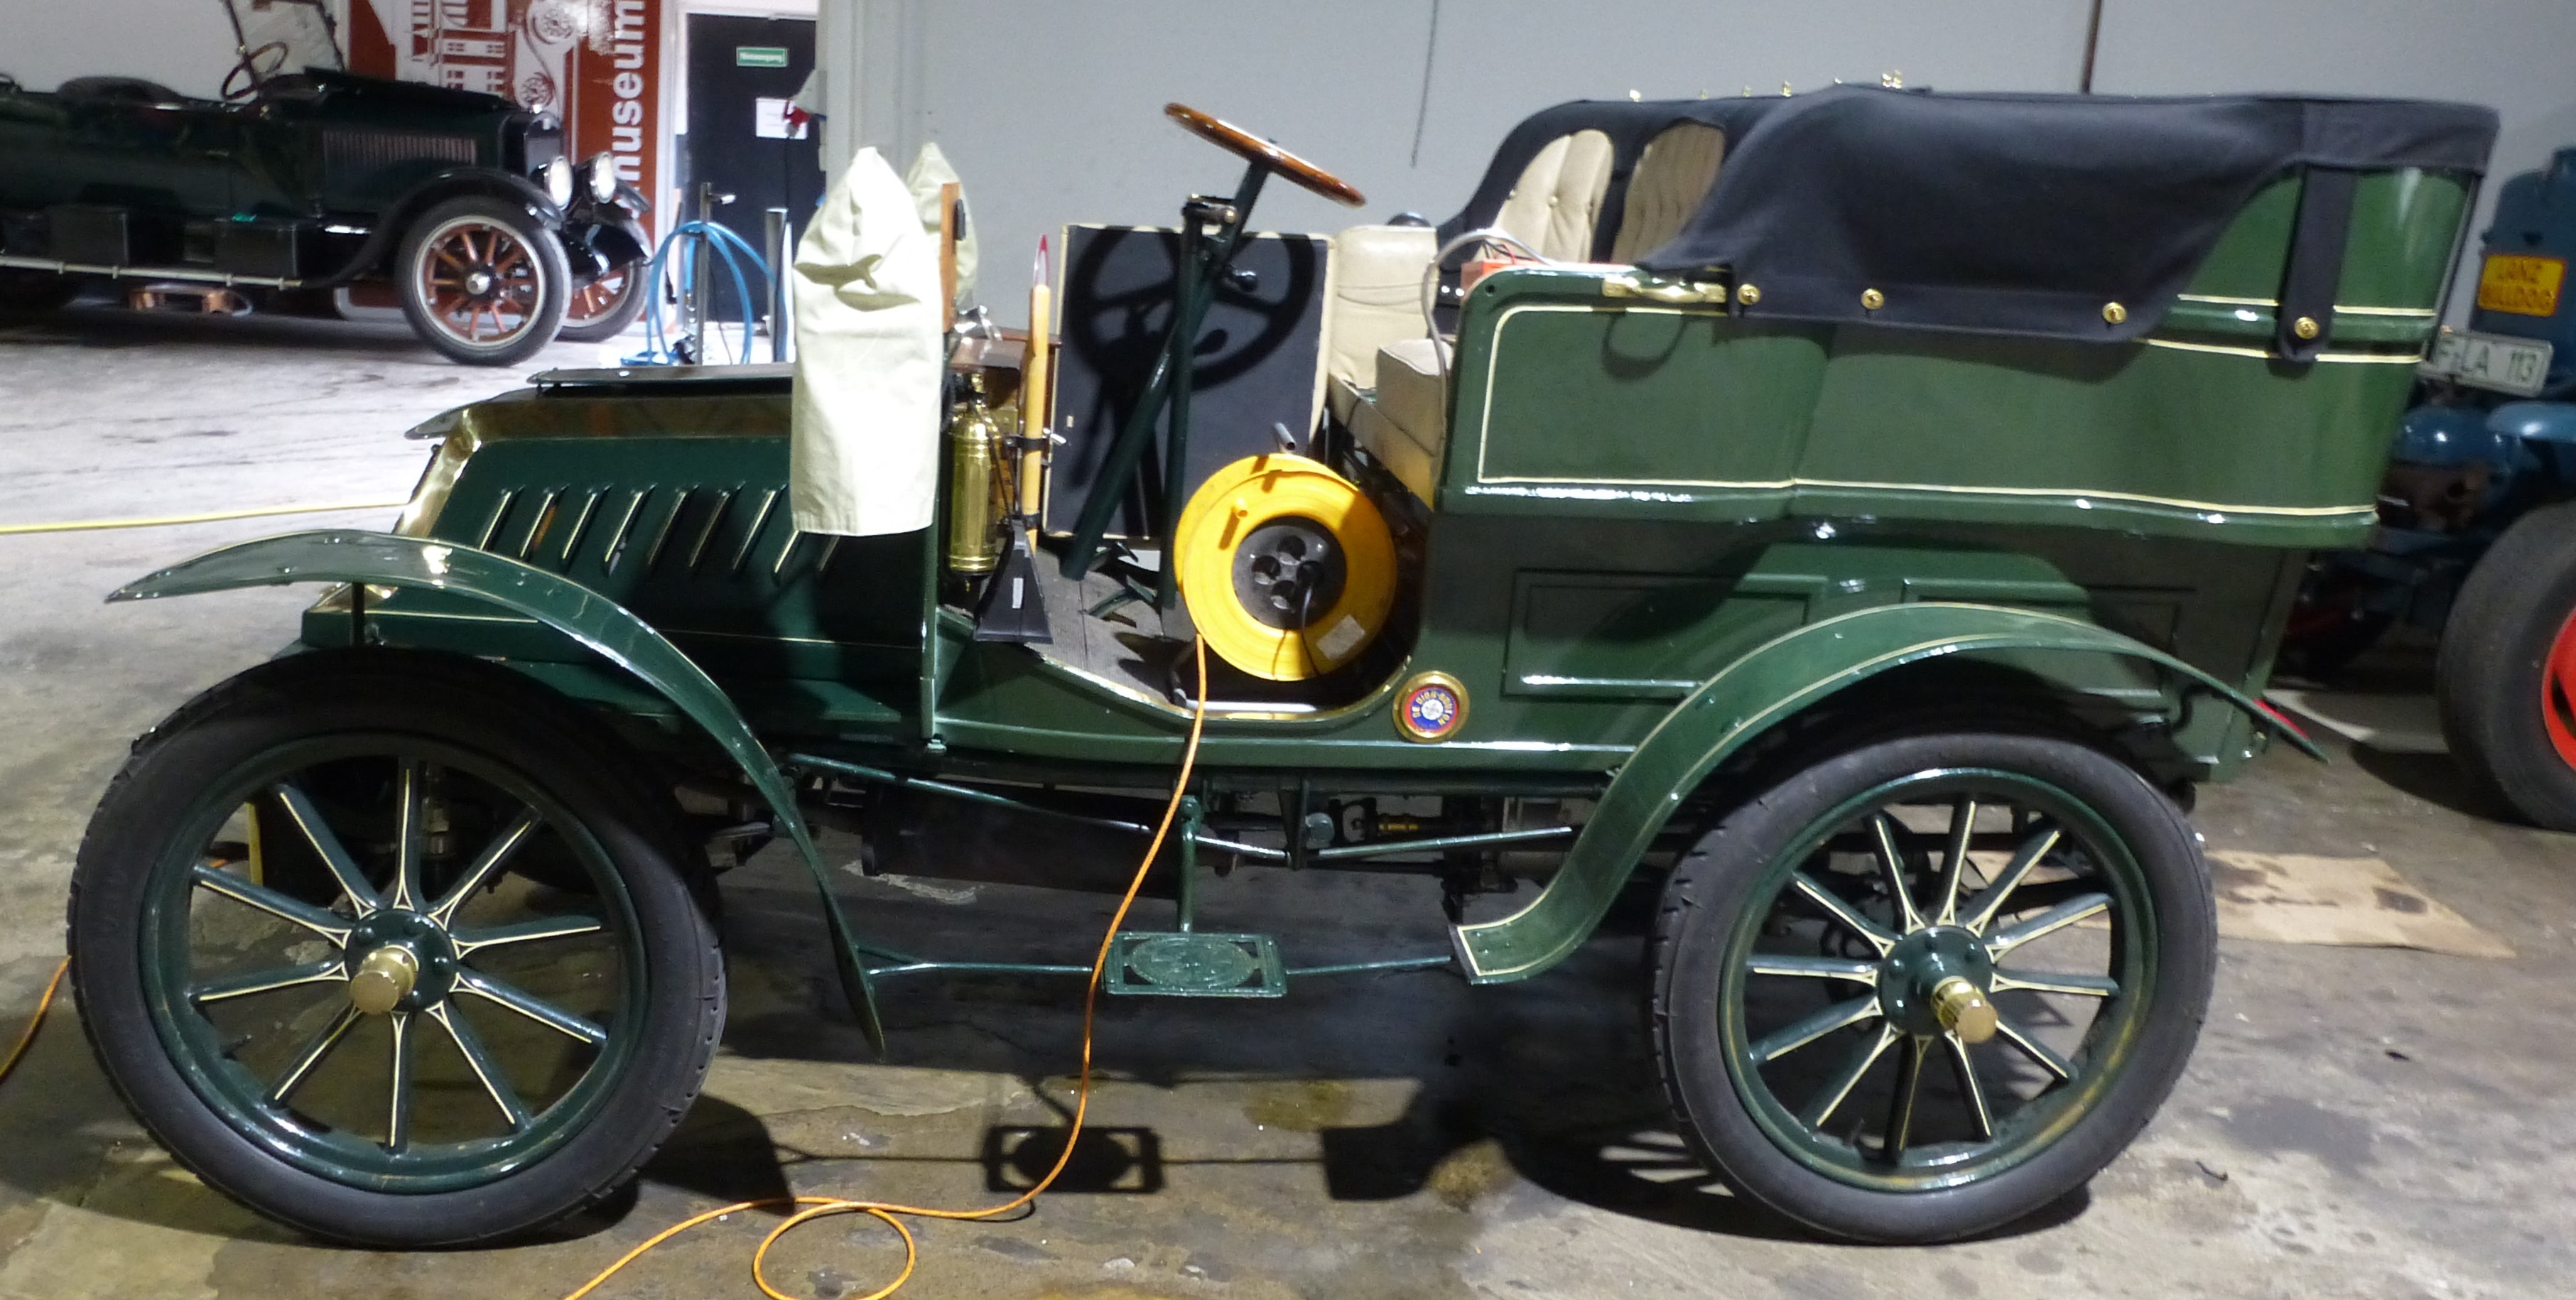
<point>864,456</point>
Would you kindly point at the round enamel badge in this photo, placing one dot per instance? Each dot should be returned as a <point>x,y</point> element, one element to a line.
<point>1431,707</point>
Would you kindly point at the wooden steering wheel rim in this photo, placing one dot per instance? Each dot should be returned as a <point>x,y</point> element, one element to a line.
<point>1252,149</point>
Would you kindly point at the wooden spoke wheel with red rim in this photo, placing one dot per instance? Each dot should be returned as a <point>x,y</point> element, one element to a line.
<point>2506,678</point>
<point>605,307</point>
<point>483,281</point>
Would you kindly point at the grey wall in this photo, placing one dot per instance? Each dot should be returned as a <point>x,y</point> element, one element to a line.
<point>2511,54</point>
<point>1052,110</point>
<point>186,45</point>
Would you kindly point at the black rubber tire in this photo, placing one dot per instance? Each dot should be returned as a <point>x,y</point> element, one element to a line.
<point>35,291</point>
<point>555,289</point>
<point>620,316</point>
<point>2487,676</point>
<point>1711,885</point>
<point>505,718</point>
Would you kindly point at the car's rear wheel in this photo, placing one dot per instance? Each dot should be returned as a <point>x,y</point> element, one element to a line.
<point>310,965</point>
<point>2506,674</point>
<point>605,308</point>
<point>483,281</point>
<point>1933,984</point>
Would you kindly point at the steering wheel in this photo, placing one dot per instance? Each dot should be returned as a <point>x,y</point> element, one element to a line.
<point>1261,153</point>
<point>250,74</point>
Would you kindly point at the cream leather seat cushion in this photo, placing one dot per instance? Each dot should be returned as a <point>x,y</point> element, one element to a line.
<point>1405,424</point>
<point>1413,389</point>
<point>1673,175</point>
<point>1557,205</point>
<point>1372,297</point>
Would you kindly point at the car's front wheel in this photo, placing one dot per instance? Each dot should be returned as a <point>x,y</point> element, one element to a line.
<point>604,308</point>
<point>483,281</point>
<point>396,951</point>
<point>1930,985</point>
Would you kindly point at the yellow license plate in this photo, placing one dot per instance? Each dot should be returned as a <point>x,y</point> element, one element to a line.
<point>2521,284</point>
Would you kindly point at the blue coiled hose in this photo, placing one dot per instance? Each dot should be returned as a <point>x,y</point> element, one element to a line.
<point>730,249</point>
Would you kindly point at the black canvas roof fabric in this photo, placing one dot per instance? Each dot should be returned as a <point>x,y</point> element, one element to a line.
<point>2019,214</point>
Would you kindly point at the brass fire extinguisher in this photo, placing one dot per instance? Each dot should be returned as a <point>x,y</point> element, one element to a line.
<point>974,484</point>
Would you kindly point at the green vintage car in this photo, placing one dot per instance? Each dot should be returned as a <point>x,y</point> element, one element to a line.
<point>1855,520</point>
<point>305,179</point>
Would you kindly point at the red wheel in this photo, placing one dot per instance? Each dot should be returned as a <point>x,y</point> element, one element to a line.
<point>605,307</point>
<point>2558,692</point>
<point>2507,673</point>
<point>483,281</point>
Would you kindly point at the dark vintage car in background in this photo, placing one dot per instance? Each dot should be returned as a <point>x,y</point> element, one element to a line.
<point>305,179</point>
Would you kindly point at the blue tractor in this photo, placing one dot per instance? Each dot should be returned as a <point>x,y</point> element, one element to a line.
<point>2478,517</point>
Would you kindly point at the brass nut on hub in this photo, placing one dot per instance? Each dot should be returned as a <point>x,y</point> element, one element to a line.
<point>1963,1009</point>
<point>385,977</point>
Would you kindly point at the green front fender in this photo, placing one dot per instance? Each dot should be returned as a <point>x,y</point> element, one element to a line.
<point>1773,682</point>
<point>616,634</point>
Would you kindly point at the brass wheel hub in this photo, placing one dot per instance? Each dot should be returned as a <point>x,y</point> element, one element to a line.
<point>398,961</point>
<point>1934,982</point>
<point>383,979</point>
<point>1964,1009</point>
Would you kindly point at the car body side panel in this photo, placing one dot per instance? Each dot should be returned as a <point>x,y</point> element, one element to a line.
<point>1568,401</point>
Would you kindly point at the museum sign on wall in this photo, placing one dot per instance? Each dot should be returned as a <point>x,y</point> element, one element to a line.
<point>596,64</point>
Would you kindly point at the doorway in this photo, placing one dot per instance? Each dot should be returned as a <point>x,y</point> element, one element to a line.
<point>742,72</point>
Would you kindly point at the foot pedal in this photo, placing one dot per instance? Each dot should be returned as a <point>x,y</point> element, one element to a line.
<point>1014,609</point>
<point>1195,965</point>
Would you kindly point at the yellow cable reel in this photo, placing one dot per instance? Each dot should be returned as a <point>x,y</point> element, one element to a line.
<point>1287,568</point>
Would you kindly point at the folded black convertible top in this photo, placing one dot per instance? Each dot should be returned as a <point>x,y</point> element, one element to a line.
<point>2026,214</point>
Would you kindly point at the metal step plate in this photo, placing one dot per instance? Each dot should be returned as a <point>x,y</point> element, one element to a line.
<point>1195,965</point>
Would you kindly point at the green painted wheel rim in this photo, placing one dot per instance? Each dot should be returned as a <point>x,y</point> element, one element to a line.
<point>2102,865</point>
<point>244,1100</point>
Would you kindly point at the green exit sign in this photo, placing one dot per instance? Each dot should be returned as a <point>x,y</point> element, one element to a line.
<point>760,56</point>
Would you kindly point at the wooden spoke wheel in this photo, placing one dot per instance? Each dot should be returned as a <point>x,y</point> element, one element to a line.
<point>483,281</point>
<point>605,308</point>
<point>1931,985</point>
<point>321,955</point>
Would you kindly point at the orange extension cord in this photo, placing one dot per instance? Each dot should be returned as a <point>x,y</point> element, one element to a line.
<point>817,1207</point>
<point>36,1021</point>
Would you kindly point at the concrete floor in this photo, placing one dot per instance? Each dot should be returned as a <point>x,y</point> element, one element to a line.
<point>2363,1124</point>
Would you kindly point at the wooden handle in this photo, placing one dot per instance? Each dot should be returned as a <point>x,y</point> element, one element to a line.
<point>948,256</point>
<point>1037,394</point>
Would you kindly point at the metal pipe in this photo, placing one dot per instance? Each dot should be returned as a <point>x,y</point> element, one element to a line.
<point>779,325</point>
<point>1341,853</point>
<point>1385,848</point>
<point>974,968</point>
<point>992,800</point>
<point>1188,902</point>
<point>183,274</point>
<point>1366,967</point>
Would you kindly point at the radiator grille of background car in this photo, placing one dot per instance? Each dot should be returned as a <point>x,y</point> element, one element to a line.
<point>346,152</point>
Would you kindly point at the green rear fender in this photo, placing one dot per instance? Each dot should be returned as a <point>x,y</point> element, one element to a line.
<point>617,635</point>
<point>1767,686</point>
